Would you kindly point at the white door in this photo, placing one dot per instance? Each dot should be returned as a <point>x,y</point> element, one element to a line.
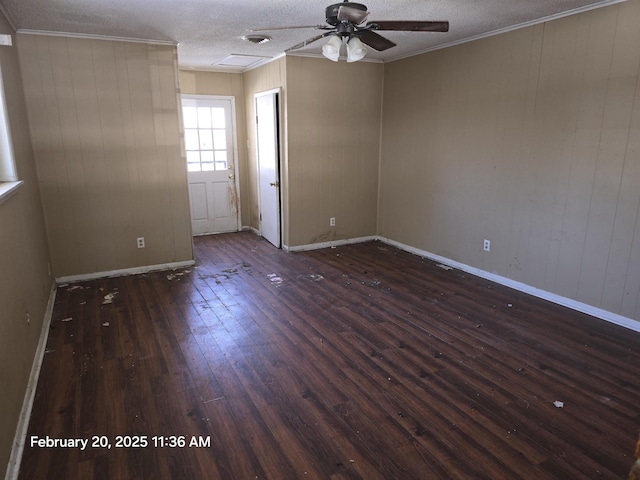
<point>268,149</point>
<point>211,163</point>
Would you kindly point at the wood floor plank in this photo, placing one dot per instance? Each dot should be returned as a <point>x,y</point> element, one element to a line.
<point>354,362</point>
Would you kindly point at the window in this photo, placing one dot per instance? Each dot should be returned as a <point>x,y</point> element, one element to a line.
<point>8,175</point>
<point>205,136</point>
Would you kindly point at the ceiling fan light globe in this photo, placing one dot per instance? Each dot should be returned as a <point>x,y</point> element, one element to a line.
<point>331,49</point>
<point>355,50</point>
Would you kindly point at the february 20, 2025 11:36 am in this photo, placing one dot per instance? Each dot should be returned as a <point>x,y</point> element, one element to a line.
<point>122,441</point>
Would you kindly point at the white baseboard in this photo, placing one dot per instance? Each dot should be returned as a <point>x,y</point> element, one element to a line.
<point>600,313</point>
<point>333,243</point>
<point>125,271</point>
<point>13,468</point>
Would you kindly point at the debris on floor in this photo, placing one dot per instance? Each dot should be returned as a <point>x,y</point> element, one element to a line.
<point>315,277</point>
<point>108,298</point>
<point>444,267</point>
<point>558,404</point>
<point>213,400</point>
<point>105,324</point>
<point>174,275</point>
<point>274,278</point>
<point>68,319</point>
<point>74,287</point>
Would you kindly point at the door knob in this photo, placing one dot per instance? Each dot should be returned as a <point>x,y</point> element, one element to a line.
<point>232,176</point>
<point>275,184</point>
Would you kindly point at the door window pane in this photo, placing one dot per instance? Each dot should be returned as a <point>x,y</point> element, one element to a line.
<point>220,139</point>
<point>206,141</point>
<point>190,117</point>
<point>204,117</point>
<point>193,161</point>
<point>221,159</point>
<point>191,141</point>
<point>218,118</point>
<point>205,137</point>
<point>206,160</point>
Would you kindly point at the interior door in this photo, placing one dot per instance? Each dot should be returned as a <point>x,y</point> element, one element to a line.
<point>211,167</point>
<point>268,155</point>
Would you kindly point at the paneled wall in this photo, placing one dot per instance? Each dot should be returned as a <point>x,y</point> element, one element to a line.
<point>228,84</point>
<point>104,123</point>
<point>25,282</point>
<point>333,135</point>
<point>530,139</point>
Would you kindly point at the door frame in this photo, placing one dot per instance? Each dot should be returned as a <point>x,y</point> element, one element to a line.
<point>234,133</point>
<point>278,92</point>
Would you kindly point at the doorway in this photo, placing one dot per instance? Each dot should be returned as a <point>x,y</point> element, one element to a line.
<point>267,107</point>
<point>210,144</point>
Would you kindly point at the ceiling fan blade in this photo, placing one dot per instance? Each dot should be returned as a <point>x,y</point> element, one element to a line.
<point>308,41</point>
<point>410,26</point>
<point>317,27</point>
<point>375,41</point>
<point>351,14</point>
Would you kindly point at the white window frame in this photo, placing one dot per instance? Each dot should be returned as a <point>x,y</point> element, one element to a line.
<point>9,182</point>
<point>208,101</point>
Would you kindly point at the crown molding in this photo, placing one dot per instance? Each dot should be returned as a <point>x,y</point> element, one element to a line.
<point>87,36</point>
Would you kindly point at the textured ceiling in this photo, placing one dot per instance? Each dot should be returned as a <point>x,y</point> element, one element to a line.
<point>209,31</point>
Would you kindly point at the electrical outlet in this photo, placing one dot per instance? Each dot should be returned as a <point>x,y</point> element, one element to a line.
<point>140,241</point>
<point>487,246</point>
<point>332,222</point>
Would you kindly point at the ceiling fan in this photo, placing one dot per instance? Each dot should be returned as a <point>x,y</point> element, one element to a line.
<point>345,24</point>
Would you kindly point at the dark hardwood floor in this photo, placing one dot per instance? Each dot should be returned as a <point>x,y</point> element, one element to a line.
<point>356,362</point>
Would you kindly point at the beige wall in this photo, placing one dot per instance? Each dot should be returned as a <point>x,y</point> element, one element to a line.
<point>226,84</point>
<point>530,139</point>
<point>25,283</point>
<point>333,136</point>
<point>104,121</point>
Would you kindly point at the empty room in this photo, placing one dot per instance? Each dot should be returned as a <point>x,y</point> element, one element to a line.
<point>288,240</point>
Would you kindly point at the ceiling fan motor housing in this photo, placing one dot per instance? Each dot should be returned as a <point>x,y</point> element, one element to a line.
<point>331,11</point>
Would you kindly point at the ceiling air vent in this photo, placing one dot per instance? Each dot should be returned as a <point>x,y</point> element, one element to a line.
<point>241,61</point>
<point>257,39</point>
